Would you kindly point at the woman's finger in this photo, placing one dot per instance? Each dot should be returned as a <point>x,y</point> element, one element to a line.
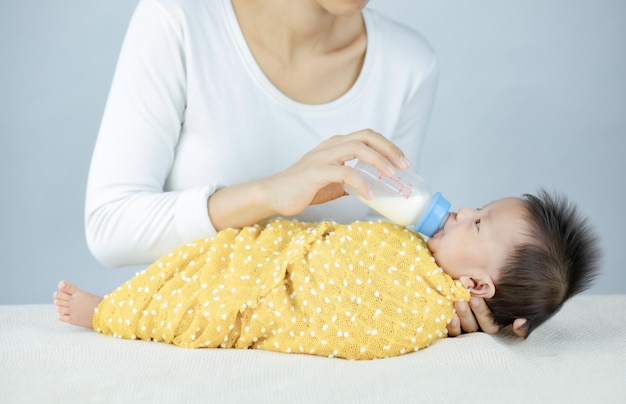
<point>466,317</point>
<point>454,327</point>
<point>368,146</point>
<point>385,147</point>
<point>518,327</point>
<point>483,316</point>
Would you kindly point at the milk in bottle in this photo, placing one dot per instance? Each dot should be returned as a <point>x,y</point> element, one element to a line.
<point>403,198</point>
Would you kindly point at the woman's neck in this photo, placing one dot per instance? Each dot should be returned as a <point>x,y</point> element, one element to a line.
<point>310,54</point>
<point>295,29</point>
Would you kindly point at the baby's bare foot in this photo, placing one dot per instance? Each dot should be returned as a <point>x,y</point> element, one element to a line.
<point>75,306</point>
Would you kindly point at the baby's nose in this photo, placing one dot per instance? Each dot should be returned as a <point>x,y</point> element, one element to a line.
<point>462,213</point>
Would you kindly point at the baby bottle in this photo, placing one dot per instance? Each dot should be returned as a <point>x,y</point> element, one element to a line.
<point>404,198</point>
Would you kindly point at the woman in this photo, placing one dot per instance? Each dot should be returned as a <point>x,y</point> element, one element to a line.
<point>223,114</point>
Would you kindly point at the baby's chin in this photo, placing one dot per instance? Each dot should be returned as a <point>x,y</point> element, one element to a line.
<point>434,254</point>
<point>432,242</point>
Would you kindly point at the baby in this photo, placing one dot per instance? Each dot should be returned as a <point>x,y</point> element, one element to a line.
<point>358,291</point>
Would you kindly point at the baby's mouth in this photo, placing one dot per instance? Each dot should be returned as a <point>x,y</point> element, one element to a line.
<point>437,234</point>
<point>442,229</point>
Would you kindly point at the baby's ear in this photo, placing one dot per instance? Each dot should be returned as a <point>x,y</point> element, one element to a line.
<point>481,286</point>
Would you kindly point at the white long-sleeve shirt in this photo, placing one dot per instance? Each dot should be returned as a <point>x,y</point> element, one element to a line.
<point>190,111</point>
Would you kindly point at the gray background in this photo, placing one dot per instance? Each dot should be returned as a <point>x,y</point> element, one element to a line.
<point>532,93</point>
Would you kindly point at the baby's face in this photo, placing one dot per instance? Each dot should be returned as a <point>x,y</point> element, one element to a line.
<point>479,240</point>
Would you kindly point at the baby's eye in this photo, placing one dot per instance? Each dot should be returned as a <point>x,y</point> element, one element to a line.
<point>477,223</point>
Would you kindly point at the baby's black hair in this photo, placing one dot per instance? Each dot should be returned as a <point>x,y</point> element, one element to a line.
<point>560,260</point>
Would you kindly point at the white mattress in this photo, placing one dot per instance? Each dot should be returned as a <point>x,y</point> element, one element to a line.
<point>577,357</point>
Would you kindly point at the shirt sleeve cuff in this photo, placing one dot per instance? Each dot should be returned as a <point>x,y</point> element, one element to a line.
<point>192,218</point>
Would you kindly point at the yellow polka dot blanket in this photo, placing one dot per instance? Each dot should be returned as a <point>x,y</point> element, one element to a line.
<point>359,291</point>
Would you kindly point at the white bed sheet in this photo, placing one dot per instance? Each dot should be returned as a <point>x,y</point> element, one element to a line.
<point>577,357</point>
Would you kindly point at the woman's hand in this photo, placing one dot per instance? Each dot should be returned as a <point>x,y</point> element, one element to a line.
<point>476,316</point>
<point>319,175</point>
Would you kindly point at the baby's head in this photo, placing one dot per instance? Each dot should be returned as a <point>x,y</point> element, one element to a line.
<point>526,256</point>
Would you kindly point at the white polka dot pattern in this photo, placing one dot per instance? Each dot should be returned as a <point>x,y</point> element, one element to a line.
<point>360,291</point>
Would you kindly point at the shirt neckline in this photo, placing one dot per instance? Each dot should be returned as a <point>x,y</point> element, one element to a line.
<point>266,85</point>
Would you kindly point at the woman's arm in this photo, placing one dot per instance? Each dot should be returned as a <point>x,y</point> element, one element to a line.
<point>129,219</point>
<point>317,177</point>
